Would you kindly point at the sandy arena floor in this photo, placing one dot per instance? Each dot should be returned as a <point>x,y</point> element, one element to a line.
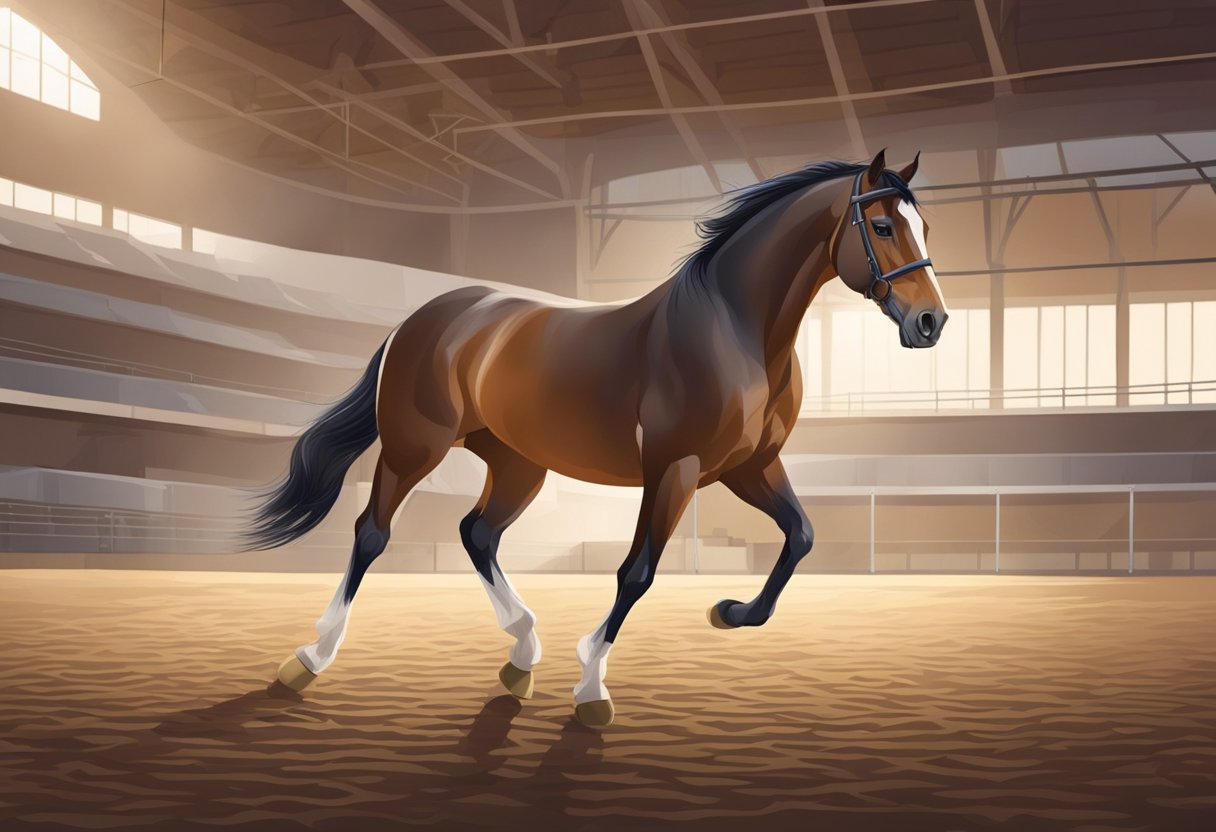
<point>139,700</point>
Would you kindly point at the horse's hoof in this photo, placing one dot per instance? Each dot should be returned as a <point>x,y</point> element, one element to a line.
<point>714,614</point>
<point>517,682</point>
<point>597,714</point>
<point>293,674</point>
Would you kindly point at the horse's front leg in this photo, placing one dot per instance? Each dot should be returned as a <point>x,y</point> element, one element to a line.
<point>666,491</point>
<point>767,488</point>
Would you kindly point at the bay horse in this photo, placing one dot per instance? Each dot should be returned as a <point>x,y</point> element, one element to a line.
<point>693,383</point>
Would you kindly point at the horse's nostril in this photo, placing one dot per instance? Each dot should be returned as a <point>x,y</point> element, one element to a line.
<point>926,323</point>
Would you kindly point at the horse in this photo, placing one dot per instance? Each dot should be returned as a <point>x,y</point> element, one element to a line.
<point>695,382</point>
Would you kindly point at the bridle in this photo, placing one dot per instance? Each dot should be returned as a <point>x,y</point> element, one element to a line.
<point>880,283</point>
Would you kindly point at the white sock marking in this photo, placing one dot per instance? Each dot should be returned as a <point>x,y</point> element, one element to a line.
<point>593,656</point>
<point>331,629</point>
<point>515,619</point>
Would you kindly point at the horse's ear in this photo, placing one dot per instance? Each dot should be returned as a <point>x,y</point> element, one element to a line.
<point>907,173</point>
<point>877,166</point>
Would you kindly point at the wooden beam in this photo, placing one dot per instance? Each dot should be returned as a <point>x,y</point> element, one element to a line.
<point>995,60</point>
<point>641,112</point>
<point>493,31</point>
<point>677,44</point>
<point>331,157</point>
<point>631,34</point>
<point>417,52</point>
<point>221,43</point>
<point>839,82</point>
<point>660,85</point>
<point>411,130</point>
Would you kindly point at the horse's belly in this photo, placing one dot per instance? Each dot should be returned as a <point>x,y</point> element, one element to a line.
<point>591,449</point>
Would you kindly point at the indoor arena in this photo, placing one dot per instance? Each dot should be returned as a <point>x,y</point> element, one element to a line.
<point>370,369</point>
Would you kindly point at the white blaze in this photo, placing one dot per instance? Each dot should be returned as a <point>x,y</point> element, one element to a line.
<point>917,225</point>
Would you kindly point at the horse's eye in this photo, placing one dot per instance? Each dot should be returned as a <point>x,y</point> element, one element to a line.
<point>882,227</point>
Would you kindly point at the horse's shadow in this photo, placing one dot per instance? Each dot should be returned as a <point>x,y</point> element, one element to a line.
<point>247,716</point>
<point>227,720</point>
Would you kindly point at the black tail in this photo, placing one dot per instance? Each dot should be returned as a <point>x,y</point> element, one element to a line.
<point>318,465</point>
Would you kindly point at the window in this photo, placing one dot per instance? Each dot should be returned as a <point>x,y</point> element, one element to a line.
<point>33,65</point>
<point>1173,352</point>
<point>152,231</point>
<point>868,369</point>
<point>42,201</point>
<point>1059,356</point>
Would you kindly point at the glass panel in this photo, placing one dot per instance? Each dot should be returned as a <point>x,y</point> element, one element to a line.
<point>54,88</point>
<point>978,355</point>
<point>65,207</point>
<point>78,75</point>
<point>1178,351</point>
<point>86,101</point>
<point>5,26</point>
<point>810,346</point>
<point>119,220</point>
<point>846,346</point>
<point>26,77</point>
<point>53,56</point>
<point>1051,356</point>
<point>32,199</point>
<point>153,231</point>
<point>1075,348</point>
<point>1021,356</point>
<point>1101,364</point>
<point>5,67</point>
<point>88,212</point>
<point>1204,350</point>
<point>6,191</point>
<point>1146,367</point>
<point>26,38</point>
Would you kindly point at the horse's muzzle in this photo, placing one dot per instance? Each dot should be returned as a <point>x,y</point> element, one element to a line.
<point>922,328</point>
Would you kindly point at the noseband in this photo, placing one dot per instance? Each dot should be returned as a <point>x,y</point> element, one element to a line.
<point>880,284</point>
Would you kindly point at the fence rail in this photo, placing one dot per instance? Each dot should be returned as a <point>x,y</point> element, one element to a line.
<point>936,401</point>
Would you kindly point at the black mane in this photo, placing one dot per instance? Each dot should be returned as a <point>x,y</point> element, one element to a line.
<point>744,203</point>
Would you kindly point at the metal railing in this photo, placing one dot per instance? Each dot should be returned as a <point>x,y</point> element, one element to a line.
<point>937,401</point>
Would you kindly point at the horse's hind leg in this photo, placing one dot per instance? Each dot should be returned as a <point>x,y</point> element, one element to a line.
<point>512,482</point>
<point>389,488</point>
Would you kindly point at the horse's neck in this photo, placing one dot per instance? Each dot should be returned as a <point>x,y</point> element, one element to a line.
<point>770,272</point>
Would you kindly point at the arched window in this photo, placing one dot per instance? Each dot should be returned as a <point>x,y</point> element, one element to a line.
<point>33,65</point>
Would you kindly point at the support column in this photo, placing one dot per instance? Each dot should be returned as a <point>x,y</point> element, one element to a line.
<point>996,338</point>
<point>872,533</point>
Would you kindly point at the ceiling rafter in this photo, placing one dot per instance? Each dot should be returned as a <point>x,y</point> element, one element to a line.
<point>416,51</point>
<point>533,64</point>
<point>331,157</point>
<point>894,92</point>
<point>687,134</point>
<point>631,34</point>
<point>253,62</point>
<point>411,130</point>
<point>677,44</point>
<point>828,39</point>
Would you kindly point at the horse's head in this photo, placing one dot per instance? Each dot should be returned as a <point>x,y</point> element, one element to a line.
<point>880,252</point>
